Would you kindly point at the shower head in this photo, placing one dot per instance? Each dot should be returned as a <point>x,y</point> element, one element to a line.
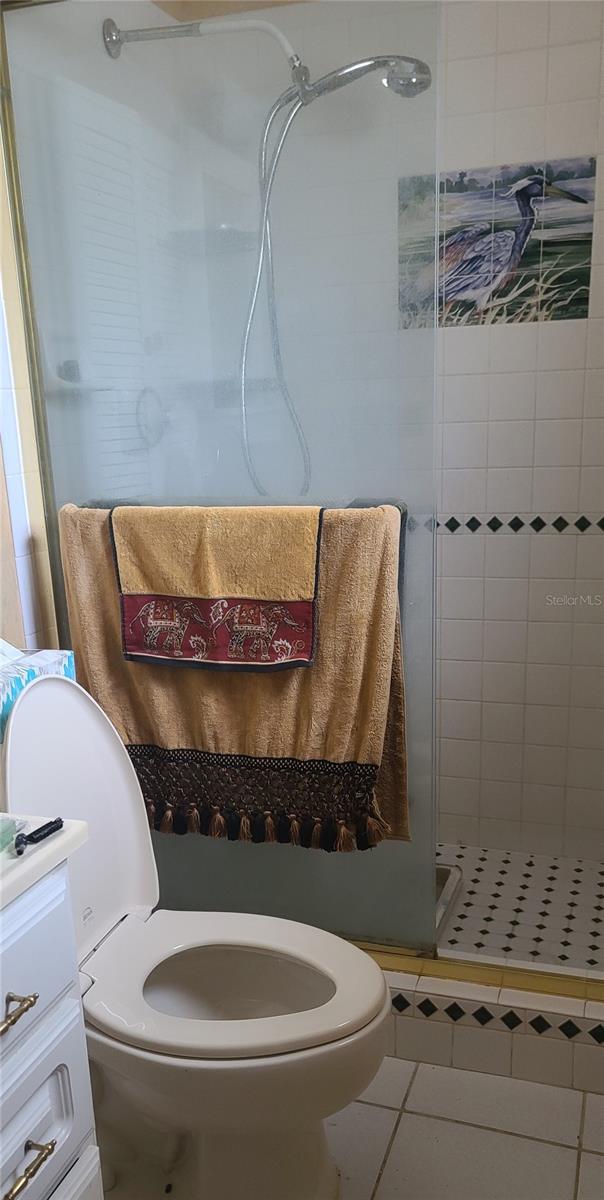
<point>405,76</point>
<point>408,77</point>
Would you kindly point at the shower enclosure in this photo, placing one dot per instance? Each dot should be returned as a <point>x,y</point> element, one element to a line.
<point>149,217</point>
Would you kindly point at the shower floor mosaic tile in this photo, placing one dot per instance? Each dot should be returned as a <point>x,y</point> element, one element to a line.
<point>531,908</point>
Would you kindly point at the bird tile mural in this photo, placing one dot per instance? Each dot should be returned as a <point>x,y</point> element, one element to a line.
<point>514,244</point>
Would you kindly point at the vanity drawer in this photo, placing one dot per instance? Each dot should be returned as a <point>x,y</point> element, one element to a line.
<point>46,1099</point>
<point>37,952</point>
<point>83,1182</point>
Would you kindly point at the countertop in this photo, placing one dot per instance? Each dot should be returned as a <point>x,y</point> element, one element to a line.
<point>18,874</point>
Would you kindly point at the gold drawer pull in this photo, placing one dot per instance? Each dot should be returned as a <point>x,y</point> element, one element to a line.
<point>45,1149</point>
<point>24,1003</point>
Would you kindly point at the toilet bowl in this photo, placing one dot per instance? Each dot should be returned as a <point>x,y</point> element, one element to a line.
<point>219,1041</point>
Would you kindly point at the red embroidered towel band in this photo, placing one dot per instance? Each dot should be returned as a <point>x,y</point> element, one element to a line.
<point>222,588</point>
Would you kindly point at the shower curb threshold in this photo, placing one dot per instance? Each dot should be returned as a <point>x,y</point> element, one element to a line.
<point>499,1029</point>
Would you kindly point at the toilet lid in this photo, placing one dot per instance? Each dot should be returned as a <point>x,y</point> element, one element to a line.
<point>63,758</point>
<point>301,987</point>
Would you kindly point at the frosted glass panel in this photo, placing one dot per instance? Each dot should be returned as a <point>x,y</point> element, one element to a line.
<point>140,185</point>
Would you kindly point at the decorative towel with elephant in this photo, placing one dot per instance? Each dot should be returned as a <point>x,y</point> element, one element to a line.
<point>313,758</point>
<point>220,588</point>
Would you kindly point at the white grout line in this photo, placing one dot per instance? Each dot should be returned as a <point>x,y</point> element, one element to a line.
<point>580,1146</point>
<point>376,1104</point>
<point>525,1137</point>
<point>394,1133</point>
<point>410,1085</point>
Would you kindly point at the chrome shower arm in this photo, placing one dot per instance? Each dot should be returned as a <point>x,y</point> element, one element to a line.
<point>114,38</point>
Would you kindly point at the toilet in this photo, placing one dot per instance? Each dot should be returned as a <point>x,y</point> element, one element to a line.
<point>219,1042</point>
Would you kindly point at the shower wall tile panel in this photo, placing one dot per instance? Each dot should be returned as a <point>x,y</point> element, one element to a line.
<point>521,475</point>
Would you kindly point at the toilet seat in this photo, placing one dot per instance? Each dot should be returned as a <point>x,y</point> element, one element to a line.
<point>117,1006</point>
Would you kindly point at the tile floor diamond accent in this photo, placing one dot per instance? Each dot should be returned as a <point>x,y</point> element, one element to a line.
<point>400,1003</point>
<point>539,1024</point>
<point>455,1011</point>
<point>512,1020</point>
<point>569,1029</point>
<point>521,908</point>
<point>427,1007</point>
<point>482,1015</point>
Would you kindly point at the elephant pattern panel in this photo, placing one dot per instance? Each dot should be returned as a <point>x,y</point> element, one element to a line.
<point>223,633</point>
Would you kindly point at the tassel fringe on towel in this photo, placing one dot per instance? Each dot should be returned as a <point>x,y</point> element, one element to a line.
<point>191,791</point>
<point>285,828</point>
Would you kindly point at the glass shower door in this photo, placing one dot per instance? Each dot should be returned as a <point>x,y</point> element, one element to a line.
<point>140,190</point>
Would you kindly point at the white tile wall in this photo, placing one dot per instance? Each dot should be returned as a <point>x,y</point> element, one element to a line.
<point>522,676</point>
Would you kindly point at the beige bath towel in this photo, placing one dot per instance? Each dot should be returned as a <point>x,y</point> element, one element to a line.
<point>310,757</point>
<point>218,588</point>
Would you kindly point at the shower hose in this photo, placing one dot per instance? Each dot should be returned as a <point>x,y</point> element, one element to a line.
<point>265,254</point>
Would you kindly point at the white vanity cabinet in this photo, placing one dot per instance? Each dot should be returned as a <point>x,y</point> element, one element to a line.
<point>47,1138</point>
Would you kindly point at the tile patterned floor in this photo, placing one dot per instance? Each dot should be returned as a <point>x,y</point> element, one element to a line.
<point>422,1132</point>
<point>529,908</point>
